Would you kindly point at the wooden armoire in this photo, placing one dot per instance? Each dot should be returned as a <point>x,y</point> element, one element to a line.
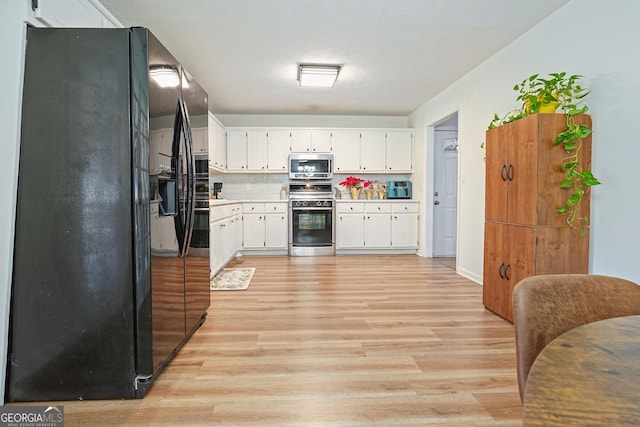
<point>524,235</point>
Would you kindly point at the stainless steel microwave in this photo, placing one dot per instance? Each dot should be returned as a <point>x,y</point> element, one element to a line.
<point>310,166</point>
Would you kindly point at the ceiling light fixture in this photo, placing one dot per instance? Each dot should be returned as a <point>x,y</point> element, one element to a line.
<point>165,76</point>
<point>314,75</point>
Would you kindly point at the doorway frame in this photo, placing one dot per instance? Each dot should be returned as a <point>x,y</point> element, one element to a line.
<point>429,187</point>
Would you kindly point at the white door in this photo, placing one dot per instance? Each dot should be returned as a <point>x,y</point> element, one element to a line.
<point>445,192</point>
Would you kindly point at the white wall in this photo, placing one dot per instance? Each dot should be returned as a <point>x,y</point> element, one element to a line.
<point>230,120</point>
<point>595,38</point>
<point>12,31</point>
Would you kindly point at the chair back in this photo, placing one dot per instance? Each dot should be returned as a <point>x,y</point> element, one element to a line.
<point>547,306</point>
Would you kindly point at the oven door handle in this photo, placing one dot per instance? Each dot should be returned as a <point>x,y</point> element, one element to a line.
<point>202,209</point>
<point>312,209</point>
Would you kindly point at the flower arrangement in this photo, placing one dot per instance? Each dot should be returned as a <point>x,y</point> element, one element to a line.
<point>352,182</point>
<point>379,186</point>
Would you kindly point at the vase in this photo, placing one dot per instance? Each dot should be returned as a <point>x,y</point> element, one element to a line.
<point>355,193</point>
<point>381,194</point>
<point>368,194</point>
<point>549,107</point>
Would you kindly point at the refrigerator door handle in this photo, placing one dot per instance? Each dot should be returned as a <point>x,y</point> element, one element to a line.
<point>191,189</point>
<point>177,166</point>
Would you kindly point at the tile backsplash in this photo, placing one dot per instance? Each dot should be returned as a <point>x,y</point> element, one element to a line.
<point>255,186</point>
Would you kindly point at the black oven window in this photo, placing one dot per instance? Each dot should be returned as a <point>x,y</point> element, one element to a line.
<point>312,222</point>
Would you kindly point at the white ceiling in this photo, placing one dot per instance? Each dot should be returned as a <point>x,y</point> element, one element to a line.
<point>396,54</point>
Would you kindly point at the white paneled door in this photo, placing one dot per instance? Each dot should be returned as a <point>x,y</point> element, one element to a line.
<point>445,193</point>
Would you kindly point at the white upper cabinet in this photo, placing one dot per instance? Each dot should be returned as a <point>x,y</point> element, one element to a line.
<point>355,150</point>
<point>73,13</point>
<point>257,151</point>
<point>277,150</point>
<point>236,150</point>
<point>346,146</point>
<point>399,151</point>
<point>200,140</point>
<point>310,141</point>
<point>372,151</point>
<point>217,144</point>
<point>376,151</point>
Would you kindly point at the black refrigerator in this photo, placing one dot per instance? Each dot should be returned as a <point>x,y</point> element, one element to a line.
<point>104,290</point>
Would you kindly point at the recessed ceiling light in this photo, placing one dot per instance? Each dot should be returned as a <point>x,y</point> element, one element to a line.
<point>317,75</point>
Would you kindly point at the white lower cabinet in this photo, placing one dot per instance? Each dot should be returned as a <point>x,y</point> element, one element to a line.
<point>264,226</point>
<point>377,225</point>
<point>350,225</point>
<point>404,225</point>
<point>387,226</point>
<point>226,235</point>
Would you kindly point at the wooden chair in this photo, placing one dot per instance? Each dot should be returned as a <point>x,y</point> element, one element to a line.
<point>547,306</point>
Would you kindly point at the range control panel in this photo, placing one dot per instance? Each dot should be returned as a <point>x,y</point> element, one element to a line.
<point>311,203</point>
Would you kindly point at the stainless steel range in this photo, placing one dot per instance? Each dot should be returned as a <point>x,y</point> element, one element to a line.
<point>311,219</point>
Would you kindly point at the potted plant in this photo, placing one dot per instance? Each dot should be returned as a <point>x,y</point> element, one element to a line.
<point>354,185</point>
<point>564,94</point>
<point>369,189</point>
<point>380,188</point>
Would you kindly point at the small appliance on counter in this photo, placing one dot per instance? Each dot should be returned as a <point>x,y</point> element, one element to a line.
<point>398,189</point>
<point>217,190</point>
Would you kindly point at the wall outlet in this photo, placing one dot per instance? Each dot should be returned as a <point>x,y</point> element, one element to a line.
<point>247,186</point>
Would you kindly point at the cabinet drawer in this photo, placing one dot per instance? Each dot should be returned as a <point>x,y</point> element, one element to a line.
<point>377,208</point>
<point>405,207</point>
<point>350,207</point>
<point>216,213</point>
<point>224,211</point>
<point>253,207</point>
<point>275,207</point>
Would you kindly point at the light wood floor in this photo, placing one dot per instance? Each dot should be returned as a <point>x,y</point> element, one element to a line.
<point>335,341</point>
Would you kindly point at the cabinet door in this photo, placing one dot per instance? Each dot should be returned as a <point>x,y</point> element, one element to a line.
<point>350,231</point>
<point>495,293</point>
<point>377,230</point>
<point>257,151</point>
<point>237,150</point>
<point>496,173</point>
<point>508,258</point>
<point>321,141</point>
<point>200,140</point>
<point>217,144</point>
<point>522,194</point>
<point>404,231</point>
<point>300,141</point>
<point>399,151</point>
<point>277,150</point>
<point>70,13</point>
<point>276,231</point>
<point>346,146</point>
<point>253,231</point>
<point>372,151</point>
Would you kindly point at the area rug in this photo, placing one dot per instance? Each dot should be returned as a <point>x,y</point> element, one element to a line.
<point>232,279</point>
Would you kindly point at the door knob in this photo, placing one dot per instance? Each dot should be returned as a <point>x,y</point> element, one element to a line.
<point>436,202</point>
<point>436,194</point>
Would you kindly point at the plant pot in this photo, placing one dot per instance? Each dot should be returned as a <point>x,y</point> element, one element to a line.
<point>368,194</point>
<point>549,107</point>
<point>355,193</point>
<point>381,194</point>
